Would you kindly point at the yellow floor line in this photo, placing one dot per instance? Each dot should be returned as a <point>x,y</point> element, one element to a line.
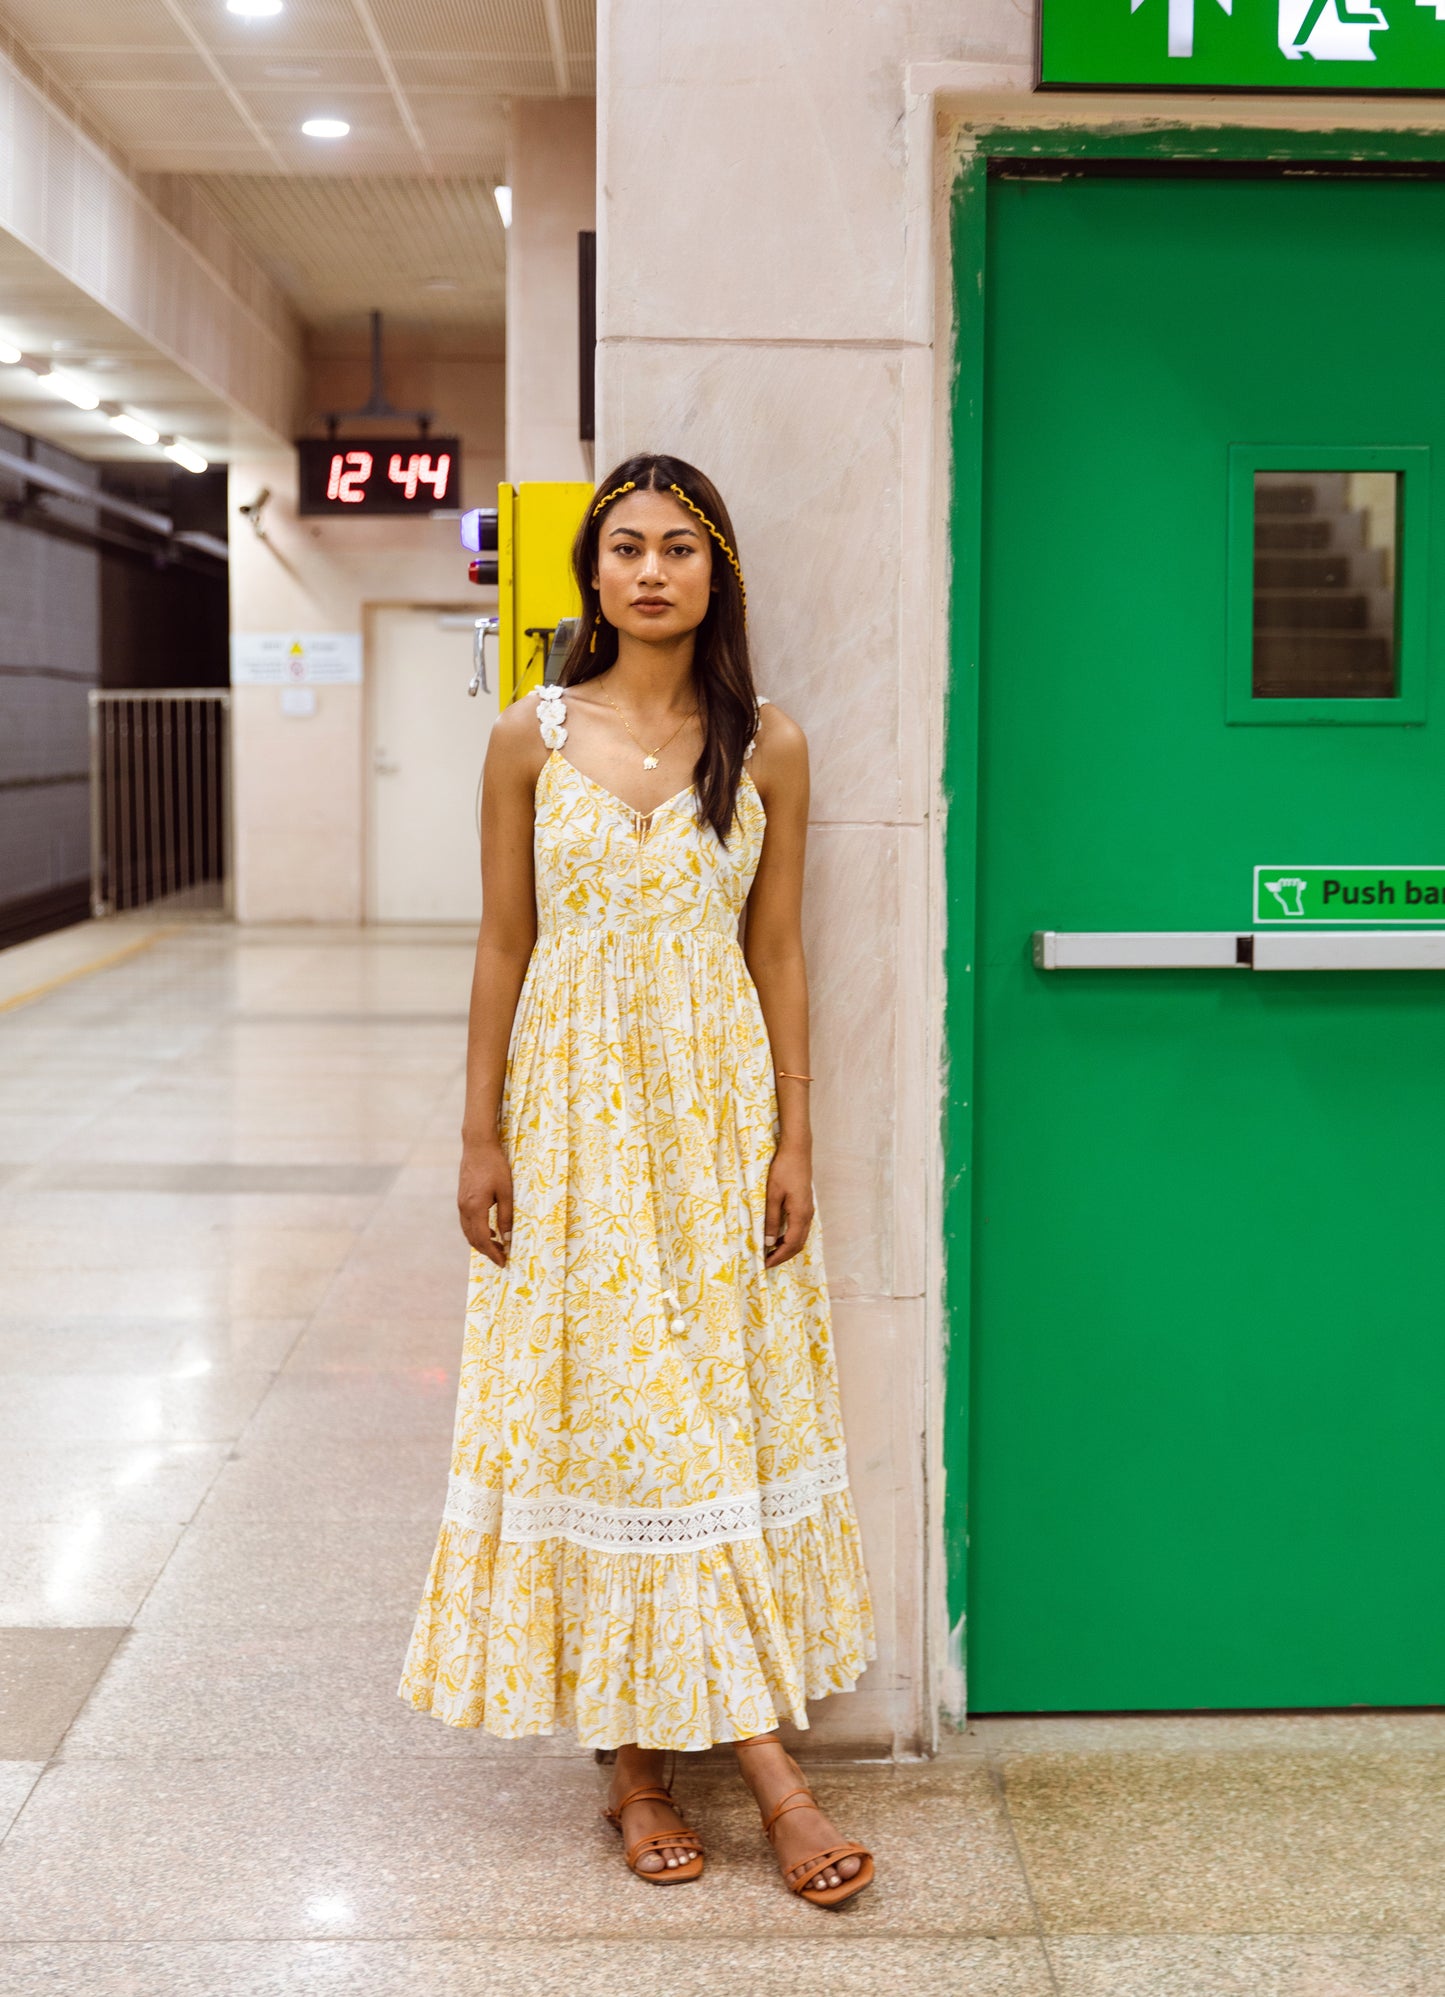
<point>84,970</point>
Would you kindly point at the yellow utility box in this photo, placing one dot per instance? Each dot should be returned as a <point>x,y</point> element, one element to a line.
<point>536,526</point>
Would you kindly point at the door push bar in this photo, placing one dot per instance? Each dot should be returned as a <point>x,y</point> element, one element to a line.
<point>1234,950</point>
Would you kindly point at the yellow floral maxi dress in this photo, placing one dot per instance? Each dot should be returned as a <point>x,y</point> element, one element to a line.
<point>648,1532</point>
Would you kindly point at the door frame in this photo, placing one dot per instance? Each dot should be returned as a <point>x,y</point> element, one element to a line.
<point>964,275</point>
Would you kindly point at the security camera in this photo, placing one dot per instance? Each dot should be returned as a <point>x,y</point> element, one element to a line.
<point>254,511</point>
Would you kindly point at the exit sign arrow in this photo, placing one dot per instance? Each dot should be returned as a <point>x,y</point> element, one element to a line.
<point>1181,23</point>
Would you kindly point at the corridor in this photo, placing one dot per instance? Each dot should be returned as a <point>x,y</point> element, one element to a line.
<point>230,1310</point>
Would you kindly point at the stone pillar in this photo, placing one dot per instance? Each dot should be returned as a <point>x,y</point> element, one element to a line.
<point>551,165</point>
<point>755,319</point>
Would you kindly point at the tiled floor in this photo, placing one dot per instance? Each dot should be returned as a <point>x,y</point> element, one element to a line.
<point>230,1291</point>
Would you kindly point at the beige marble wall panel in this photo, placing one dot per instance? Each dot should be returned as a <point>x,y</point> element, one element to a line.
<point>552,168</point>
<point>850,934</point>
<point>804,444</point>
<point>297,806</point>
<point>783,127</point>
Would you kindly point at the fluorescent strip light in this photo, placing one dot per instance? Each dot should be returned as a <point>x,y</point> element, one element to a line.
<point>503,198</point>
<point>186,455</point>
<point>73,390</point>
<point>8,354</point>
<point>133,426</point>
<point>326,128</point>
<point>253,10</point>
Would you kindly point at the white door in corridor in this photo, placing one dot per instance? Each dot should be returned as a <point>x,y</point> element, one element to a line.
<point>427,739</point>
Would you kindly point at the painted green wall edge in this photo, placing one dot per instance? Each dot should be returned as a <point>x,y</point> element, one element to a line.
<point>969,244</point>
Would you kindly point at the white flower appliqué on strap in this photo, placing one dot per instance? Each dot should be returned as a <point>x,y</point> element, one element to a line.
<point>552,716</point>
<point>762,703</point>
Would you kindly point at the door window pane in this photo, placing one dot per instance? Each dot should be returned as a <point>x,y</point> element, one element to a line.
<point>1325,585</point>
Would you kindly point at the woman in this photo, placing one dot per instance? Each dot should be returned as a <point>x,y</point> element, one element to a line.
<point>648,1533</point>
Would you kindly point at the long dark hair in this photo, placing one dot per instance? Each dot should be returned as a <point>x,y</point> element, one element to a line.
<point>722,668</point>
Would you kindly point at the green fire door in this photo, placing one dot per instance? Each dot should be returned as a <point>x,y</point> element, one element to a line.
<point>1208,1419</point>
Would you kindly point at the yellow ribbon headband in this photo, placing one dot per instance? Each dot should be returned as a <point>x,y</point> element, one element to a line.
<point>678,493</point>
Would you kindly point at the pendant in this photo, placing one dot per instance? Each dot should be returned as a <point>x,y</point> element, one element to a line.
<point>649,762</point>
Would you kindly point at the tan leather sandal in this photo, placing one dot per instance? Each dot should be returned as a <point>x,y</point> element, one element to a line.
<point>659,1840</point>
<point>798,1876</point>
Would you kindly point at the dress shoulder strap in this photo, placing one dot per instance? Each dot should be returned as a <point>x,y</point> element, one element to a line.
<point>552,716</point>
<point>763,702</point>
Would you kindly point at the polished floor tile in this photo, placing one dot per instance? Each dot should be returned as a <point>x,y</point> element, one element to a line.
<point>111,1408</point>
<point>376,1344</point>
<point>333,1478</point>
<point>1247,1966</point>
<point>155,1482</point>
<point>1267,1842</point>
<point>698,1967</point>
<point>17,1780</point>
<point>91,1571</point>
<point>178,1348</point>
<point>398,1405</point>
<point>46,1676</point>
<point>260,1574</point>
<point>327,1689</point>
<point>279,1849</point>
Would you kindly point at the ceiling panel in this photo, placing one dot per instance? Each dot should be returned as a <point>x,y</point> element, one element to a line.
<point>122,24</point>
<point>268,68</point>
<point>322,27</point>
<point>187,115</point>
<point>463,27</point>
<point>494,76</point>
<point>184,87</point>
<point>143,69</point>
<point>342,246</point>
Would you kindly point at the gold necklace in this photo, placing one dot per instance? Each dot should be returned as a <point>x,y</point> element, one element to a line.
<point>649,756</point>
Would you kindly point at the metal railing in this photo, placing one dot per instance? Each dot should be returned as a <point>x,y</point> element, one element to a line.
<point>160,801</point>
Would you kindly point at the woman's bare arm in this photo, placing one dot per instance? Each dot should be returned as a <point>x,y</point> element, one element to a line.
<point>773,948</point>
<point>504,946</point>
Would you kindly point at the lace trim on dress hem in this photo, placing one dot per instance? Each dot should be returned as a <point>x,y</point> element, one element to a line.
<point>621,1529</point>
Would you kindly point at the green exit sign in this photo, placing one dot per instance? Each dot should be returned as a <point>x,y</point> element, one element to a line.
<point>1337,45</point>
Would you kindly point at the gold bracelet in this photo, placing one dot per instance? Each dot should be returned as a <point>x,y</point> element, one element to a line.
<point>790,1076</point>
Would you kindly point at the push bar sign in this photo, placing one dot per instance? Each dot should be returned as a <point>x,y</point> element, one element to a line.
<point>1336,45</point>
<point>1350,894</point>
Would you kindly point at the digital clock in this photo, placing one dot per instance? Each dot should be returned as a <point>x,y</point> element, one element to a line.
<point>360,475</point>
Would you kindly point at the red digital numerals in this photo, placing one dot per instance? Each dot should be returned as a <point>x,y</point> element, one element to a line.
<point>349,473</point>
<point>419,471</point>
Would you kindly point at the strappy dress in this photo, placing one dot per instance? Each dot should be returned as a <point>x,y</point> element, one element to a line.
<point>648,1533</point>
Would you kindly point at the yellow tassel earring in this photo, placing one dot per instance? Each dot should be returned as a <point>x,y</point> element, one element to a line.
<point>596,626</point>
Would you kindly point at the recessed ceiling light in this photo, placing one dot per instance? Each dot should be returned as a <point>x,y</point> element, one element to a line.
<point>73,390</point>
<point>253,10</point>
<point>134,426</point>
<point>186,455</point>
<point>326,128</point>
<point>440,284</point>
<point>503,198</point>
<point>8,354</point>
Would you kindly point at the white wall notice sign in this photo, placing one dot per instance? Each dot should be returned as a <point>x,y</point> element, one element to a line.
<point>295,658</point>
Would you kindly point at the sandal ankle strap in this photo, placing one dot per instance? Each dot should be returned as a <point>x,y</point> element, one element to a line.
<point>648,1792</point>
<point>796,1799</point>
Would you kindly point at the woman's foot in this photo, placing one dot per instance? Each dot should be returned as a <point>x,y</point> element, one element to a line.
<point>645,1768</point>
<point>771,1772</point>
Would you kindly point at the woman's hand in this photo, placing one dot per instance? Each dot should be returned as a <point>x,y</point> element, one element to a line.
<point>789,1212</point>
<point>486,1182</point>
